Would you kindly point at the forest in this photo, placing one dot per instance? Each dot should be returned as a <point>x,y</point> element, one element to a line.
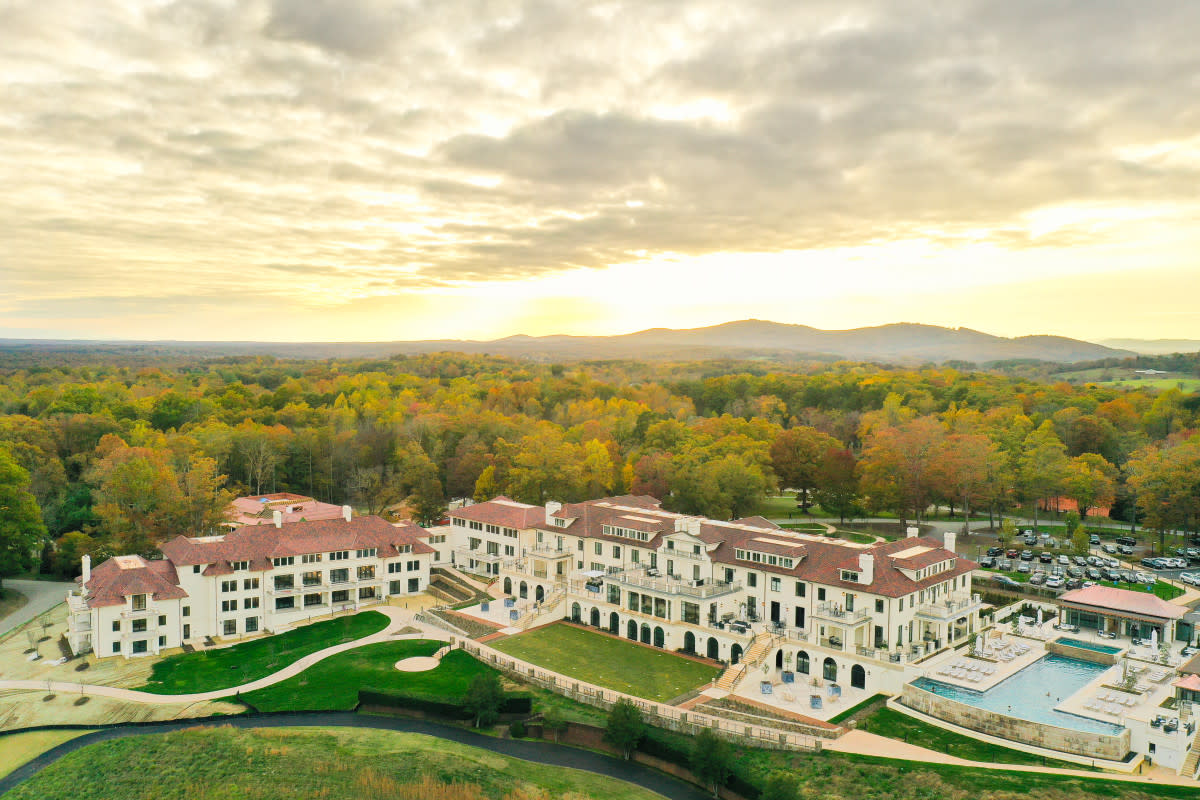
<point>113,453</point>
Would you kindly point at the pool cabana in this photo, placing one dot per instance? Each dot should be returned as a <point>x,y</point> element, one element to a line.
<point>1120,611</point>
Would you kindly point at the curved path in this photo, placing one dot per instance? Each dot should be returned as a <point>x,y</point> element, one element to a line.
<point>554,755</point>
<point>398,618</point>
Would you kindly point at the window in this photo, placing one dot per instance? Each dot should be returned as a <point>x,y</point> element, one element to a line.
<point>509,550</point>
<point>414,584</point>
<point>139,602</point>
<point>162,641</point>
<point>670,544</point>
<point>800,588</point>
<point>462,523</point>
<point>229,627</point>
<point>285,582</point>
<point>617,552</point>
<point>579,545</point>
<point>728,575</point>
<point>187,611</point>
<point>249,583</point>
<point>849,576</point>
<point>116,626</point>
<point>820,594</point>
<point>475,526</point>
<point>366,593</point>
<point>395,567</point>
<point>412,566</point>
<point>139,646</point>
<point>139,625</point>
<point>339,575</point>
<point>635,556</point>
<point>196,570</point>
<point>250,602</point>
<point>187,632</point>
<point>395,587</point>
<point>340,596</point>
<point>473,543</point>
<point>311,578</point>
<point>691,613</point>
<point>752,579</point>
<point>162,620</point>
<point>366,573</point>
<point>312,599</point>
<point>493,548</point>
<point>561,523</point>
<point>340,555</point>
<point>367,553</point>
<point>228,605</point>
<point>117,645</point>
<point>284,603</point>
<point>878,606</point>
<point>285,561</point>
<point>236,565</point>
<point>775,583</point>
<point>251,624</point>
<point>614,594</point>
<point>228,586</point>
<point>696,549</point>
<point>599,549</point>
<point>310,558</point>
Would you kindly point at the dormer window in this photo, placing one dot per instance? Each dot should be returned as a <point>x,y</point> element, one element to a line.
<point>849,576</point>
<point>561,523</point>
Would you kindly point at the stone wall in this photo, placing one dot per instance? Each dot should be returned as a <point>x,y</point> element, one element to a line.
<point>1082,653</point>
<point>1113,747</point>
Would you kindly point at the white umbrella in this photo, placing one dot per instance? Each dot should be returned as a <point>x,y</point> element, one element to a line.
<point>1039,617</point>
<point>1153,639</point>
<point>979,643</point>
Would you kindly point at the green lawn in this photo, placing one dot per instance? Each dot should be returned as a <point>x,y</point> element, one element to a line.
<point>612,663</point>
<point>208,670</point>
<point>18,748</point>
<point>896,725</point>
<point>333,684</point>
<point>330,763</point>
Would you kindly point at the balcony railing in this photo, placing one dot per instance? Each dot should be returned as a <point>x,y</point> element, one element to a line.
<point>665,584</point>
<point>840,614</point>
<point>548,550</point>
<point>952,606</point>
<point>136,613</point>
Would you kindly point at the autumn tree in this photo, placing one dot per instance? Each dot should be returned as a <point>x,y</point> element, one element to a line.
<point>961,467</point>
<point>1090,481</point>
<point>838,491</point>
<point>797,456</point>
<point>21,526</point>
<point>1043,466</point>
<point>894,468</point>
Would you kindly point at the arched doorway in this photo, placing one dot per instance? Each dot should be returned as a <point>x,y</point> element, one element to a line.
<point>508,585</point>
<point>614,624</point>
<point>829,670</point>
<point>802,662</point>
<point>779,658</point>
<point>858,677</point>
<point>735,654</point>
<point>660,638</point>
<point>714,649</point>
<point>595,618</point>
<point>645,633</point>
<point>539,594</point>
<point>524,590</point>
<point>689,642</point>
<point>575,612</point>
<point>631,630</point>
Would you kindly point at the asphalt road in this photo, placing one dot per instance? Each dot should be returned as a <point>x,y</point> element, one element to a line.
<point>538,752</point>
<point>43,596</point>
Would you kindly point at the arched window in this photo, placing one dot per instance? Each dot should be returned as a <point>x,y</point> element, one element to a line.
<point>829,670</point>
<point>508,585</point>
<point>595,618</point>
<point>802,662</point>
<point>576,614</point>
<point>858,677</point>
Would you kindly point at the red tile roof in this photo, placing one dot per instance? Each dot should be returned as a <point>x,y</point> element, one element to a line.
<point>1191,682</point>
<point>122,576</point>
<point>1107,597</point>
<point>260,509</point>
<point>503,511</point>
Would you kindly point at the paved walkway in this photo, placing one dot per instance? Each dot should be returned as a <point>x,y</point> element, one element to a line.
<point>43,596</point>
<point>399,617</point>
<point>554,755</point>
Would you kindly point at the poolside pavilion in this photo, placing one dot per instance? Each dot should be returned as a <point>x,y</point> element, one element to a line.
<point>1120,611</point>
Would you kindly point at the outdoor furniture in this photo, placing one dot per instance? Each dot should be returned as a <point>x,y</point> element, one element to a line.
<point>765,687</point>
<point>814,701</point>
<point>514,614</point>
<point>509,602</point>
<point>835,690</point>
<point>788,677</point>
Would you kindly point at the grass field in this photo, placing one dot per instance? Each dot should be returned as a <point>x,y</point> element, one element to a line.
<point>208,670</point>
<point>612,663</point>
<point>17,748</point>
<point>333,684</point>
<point>330,763</point>
<point>895,725</point>
<point>10,601</point>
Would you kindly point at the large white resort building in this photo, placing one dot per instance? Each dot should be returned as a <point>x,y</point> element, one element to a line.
<point>624,564</point>
<point>259,578</point>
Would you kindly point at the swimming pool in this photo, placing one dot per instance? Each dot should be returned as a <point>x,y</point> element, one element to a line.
<point>1033,692</point>
<point>1080,643</point>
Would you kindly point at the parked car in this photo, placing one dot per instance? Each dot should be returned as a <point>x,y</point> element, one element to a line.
<point>1037,578</point>
<point>1147,578</point>
<point>1190,578</point>
<point>1023,567</point>
<point>995,551</point>
<point>1011,553</point>
<point>1027,555</point>
<point>1075,583</point>
<point>1054,582</point>
<point>1064,560</point>
<point>1095,561</point>
<point>1093,540</point>
<point>1075,572</point>
<point>1152,563</point>
<point>1004,564</point>
<point>1125,550</point>
<point>1046,558</point>
<point>1080,561</point>
<point>1109,548</point>
<point>1092,573</point>
<point>987,562</point>
<point>1179,563</point>
<point>1030,541</point>
<point>1004,579</point>
<point>1110,574</point>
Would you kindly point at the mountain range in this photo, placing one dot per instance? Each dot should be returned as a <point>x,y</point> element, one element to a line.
<point>743,339</point>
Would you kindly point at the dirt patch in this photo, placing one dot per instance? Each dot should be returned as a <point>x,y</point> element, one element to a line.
<point>14,663</point>
<point>27,709</point>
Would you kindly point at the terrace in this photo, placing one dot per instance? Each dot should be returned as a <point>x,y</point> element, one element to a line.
<point>652,580</point>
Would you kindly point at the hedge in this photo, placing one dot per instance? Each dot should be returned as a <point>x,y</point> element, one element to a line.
<point>451,707</point>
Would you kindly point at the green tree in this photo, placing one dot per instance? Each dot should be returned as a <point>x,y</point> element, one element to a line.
<point>781,785</point>
<point>837,490</point>
<point>21,528</point>
<point>427,501</point>
<point>625,727</point>
<point>554,722</point>
<point>484,697</point>
<point>712,760</point>
<point>1043,466</point>
<point>797,456</point>
<point>1090,481</point>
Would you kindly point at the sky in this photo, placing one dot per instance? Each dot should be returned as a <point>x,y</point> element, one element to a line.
<point>382,170</point>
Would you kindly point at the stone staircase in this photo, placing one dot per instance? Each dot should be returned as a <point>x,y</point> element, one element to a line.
<point>1192,761</point>
<point>550,606</point>
<point>759,649</point>
<point>729,678</point>
<point>461,578</point>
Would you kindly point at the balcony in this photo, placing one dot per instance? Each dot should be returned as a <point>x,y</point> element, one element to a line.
<point>836,613</point>
<point>702,589</point>
<point>546,550</point>
<point>957,605</point>
<point>149,611</point>
<point>284,591</point>
<point>463,555</point>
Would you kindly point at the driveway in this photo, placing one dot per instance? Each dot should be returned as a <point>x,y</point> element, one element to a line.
<point>43,596</point>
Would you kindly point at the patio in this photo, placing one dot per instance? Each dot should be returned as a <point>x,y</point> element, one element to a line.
<point>795,697</point>
<point>500,612</point>
<point>1102,700</point>
<point>1002,657</point>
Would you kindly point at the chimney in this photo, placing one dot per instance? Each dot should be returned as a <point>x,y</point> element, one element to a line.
<point>681,524</point>
<point>347,513</point>
<point>949,540</point>
<point>866,568</point>
<point>693,527</point>
<point>277,515</point>
<point>552,508</point>
<point>87,571</point>
<point>913,531</point>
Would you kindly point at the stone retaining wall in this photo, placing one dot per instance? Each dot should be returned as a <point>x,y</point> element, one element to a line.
<point>1113,747</point>
<point>1082,653</point>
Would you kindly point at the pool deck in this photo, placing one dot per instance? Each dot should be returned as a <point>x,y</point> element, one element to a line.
<point>938,667</point>
<point>1144,705</point>
<point>794,697</point>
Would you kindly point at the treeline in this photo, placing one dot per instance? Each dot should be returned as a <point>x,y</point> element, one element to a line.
<point>121,455</point>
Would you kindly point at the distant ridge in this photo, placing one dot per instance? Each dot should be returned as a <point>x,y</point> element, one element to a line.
<point>744,339</point>
<point>1155,347</point>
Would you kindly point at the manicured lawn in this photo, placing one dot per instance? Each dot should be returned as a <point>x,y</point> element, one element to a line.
<point>18,748</point>
<point>612,663</point>
<point>333,684</point>
<point>10,601</point>
<point>896,725</point>
<point>330,763</point>
<point>208,670</point>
